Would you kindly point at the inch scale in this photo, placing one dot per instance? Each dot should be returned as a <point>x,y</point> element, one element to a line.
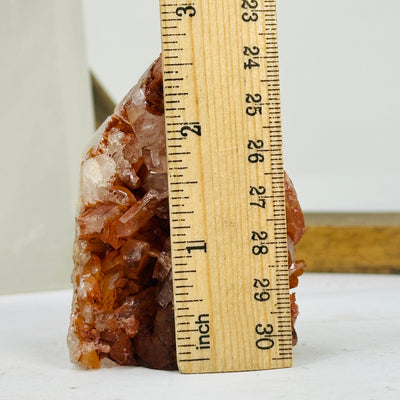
<point>226,185</point>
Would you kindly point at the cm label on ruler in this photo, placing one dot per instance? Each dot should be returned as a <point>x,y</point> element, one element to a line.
<point>226,185</point>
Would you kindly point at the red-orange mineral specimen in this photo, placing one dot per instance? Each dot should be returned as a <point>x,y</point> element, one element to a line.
<point>122,311</point>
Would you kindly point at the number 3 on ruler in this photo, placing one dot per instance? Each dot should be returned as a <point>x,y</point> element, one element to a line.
<point>189,10</point>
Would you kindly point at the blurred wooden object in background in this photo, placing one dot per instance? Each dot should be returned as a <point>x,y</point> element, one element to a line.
<point>333,242</point>
<point>351,242</point>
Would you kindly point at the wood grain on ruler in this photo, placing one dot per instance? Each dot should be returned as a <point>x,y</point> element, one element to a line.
<point>227,201</point>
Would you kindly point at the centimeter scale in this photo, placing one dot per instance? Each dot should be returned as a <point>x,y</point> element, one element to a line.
<point>226,185</point>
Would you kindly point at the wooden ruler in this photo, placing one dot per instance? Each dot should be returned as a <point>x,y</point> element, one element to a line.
<point>226,185</point>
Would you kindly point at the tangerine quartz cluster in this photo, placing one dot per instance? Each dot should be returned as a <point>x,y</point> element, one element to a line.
<point>122,310</point>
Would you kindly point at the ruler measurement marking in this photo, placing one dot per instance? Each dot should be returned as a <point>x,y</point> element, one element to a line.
<point>186,271</point>
<point>189,301</point>
<point>178,4</point>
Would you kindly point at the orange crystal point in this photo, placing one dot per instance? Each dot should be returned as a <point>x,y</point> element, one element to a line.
<point>122,310</point>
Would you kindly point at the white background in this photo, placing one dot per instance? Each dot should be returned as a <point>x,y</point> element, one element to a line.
<point>340,78</point>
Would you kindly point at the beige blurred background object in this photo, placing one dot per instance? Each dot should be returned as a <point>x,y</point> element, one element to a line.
<point>46,117</point>
<point>351,242</point>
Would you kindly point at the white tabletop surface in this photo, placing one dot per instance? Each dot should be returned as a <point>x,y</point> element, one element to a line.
<point>349,348</point>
